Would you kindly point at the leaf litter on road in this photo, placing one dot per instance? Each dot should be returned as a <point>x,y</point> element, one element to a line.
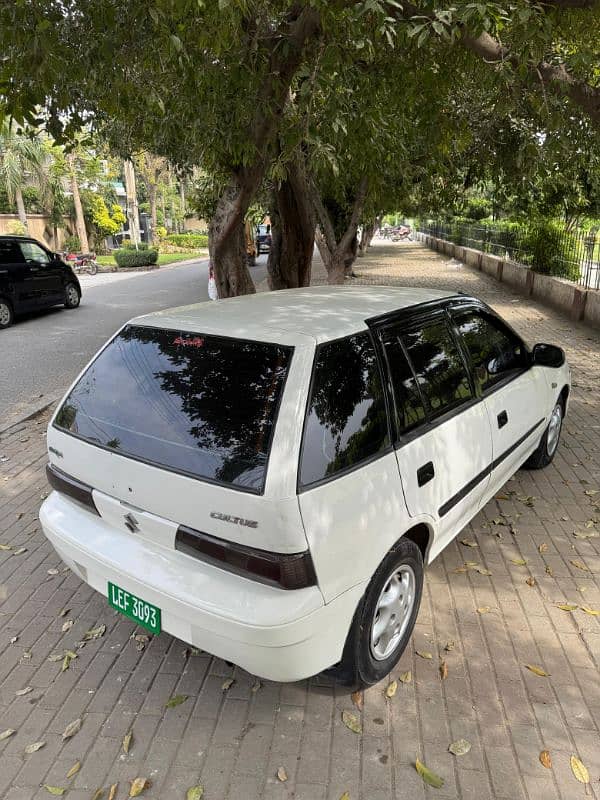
<point>460,747</point>
<point>579,770</point>
<point>545,759</point>
<point>72,728</point>
<point>539,671</point>
<point>428,776</point>
<point>351,721</point>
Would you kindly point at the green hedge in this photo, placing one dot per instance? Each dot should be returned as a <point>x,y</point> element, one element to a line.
<point>190,241</point>
<point>128,257</point>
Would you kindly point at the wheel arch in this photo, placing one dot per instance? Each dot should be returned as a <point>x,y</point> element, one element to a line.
<point>422,535</point>
<point>564,397</point>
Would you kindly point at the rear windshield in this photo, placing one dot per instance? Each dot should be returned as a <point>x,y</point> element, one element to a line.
<point>192,403</point>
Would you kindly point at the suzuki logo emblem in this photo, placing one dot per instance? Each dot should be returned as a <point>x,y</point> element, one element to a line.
<point>131,523</point>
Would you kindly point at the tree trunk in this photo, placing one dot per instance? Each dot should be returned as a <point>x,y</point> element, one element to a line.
<point>338,256</point>
<point>133,214</point>
<point>21,207</point>
<point>365,238</point>
<point>153,215</point>
<point>292,232</point>
<point>79,218</point>
<point>226,239</point>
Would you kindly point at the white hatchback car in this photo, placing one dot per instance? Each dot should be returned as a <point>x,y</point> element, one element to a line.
<point>265,477</point>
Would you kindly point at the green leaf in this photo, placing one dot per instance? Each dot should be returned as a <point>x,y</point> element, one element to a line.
<point>428,776</point>
<point>194,793</point>
<point>57,791</point>
<point>351,721</point>
<point>177,700</point>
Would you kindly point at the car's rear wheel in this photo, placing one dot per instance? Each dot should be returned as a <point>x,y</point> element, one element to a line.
<point>546,449</point>
<point>6,313</point>
<point>385,618</point>
<point>72,296</point>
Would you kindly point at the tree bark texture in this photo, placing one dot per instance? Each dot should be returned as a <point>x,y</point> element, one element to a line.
<point>21,207</point>
<point>292,232</point>
<point>133,214</point>
<point>366,237</point>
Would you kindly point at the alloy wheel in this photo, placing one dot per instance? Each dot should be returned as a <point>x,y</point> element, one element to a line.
<point>393,612</point>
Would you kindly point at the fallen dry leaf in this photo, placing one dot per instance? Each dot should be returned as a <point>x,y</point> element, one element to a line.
<point>94,633</point>
<point>443,670</point>
<point>424,654</point>
<point>26,690</point>
<point>351,721</point>
<point>550,571</point>
<point>138,786</point>
<point>358,699</point>
<point>428,776</point>
<point>591,492</point>
<point>345,796</point>
<point>537,670</point>
<point>449,646</point>
<point>543,548</point>
<point>469,542</point>
<point>519,562</point>
<point>113,791</point>
<point>483,571</point>
<point>460,747</point>
<point>5,734</point>
<point>98,794</point>
<point>567,606</point>
<point>591,611</point>
<point>580,565</point>
<point>545,759</point>
<point>6,547</point>
<point>33,748</point>
<point>193,793</point>
<point>579,770</point>
<point>177,700</point>
<point>255,687</point>
<point>530,581</point>
<point>484,610</point>
<point>127,740</point>
<point>74,769</point>
<point>57,791</point>
<point>69,656</point>
<point>72,728</point>
<point>282,774</point>
<point>391,689</point>
<point>66,625</point>
<point>405,677</point>
<point>227,684</point>
<point>19,551</point>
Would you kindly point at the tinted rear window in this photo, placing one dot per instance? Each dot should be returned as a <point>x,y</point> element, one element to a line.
<point>197,404</point>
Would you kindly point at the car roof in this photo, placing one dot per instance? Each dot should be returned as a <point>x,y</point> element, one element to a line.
<point>318,313</point>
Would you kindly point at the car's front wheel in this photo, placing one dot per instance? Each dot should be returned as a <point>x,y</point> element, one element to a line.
<point>6,313</point>
<point>72,296</point>
<point>546,449</point>
<point>385,618</point>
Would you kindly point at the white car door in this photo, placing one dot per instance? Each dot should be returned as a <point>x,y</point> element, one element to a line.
<point>443,445</point>
<point>515,393</point>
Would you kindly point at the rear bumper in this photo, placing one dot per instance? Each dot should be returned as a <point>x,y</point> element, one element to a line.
<point>273,633</point>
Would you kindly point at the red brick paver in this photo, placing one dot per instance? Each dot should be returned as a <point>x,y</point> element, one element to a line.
<point>233,741</point>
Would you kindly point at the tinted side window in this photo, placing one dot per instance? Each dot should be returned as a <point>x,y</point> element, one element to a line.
<point>495,351</point>
<point>346,419</point>
<point>438,366</point>
<point>9,252</point>
<point>410,410</point>
<point>33,252</point>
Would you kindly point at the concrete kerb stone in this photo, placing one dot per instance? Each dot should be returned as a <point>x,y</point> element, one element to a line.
<point>592,308</point>
<point>34,411</point>
<point>560,294</point>
<point>491,265</point>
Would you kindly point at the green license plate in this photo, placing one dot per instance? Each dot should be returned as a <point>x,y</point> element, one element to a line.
<point>145,614</point>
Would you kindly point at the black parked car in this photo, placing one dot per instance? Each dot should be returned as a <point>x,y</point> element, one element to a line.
<point>32,277</point>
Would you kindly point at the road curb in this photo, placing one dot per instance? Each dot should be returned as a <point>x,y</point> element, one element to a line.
<point>33,412</point>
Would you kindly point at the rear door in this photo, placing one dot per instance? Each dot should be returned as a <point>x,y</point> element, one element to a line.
<point>443,440</point>
<point>514,392</point>
<point>45,276</point>
<point>11,277</point>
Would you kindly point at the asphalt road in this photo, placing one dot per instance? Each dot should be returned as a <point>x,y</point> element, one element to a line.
<point>43,352</point>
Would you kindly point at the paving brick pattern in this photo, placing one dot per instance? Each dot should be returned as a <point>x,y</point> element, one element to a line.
<point>233,741</point>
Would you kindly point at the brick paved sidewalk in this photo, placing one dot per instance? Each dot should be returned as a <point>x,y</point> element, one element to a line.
<point>234,740</point>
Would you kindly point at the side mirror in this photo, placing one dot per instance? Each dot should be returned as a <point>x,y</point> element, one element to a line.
<point>548,355</point>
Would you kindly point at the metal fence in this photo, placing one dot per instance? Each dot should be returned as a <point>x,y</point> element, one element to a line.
<point>573,254</point>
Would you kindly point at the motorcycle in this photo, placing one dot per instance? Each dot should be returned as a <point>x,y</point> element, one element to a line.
<point>82,262</point>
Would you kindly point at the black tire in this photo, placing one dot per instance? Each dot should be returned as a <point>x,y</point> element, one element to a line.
<point>72,292</point>
<point>92,267</point>
<point>6,313</point>
<point>360,667</point>
<point>546,449</point>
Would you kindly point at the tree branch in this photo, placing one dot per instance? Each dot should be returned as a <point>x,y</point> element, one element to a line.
<point>357,209</point>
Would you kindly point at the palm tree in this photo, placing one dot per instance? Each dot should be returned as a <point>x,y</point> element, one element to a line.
<point>21,156</point>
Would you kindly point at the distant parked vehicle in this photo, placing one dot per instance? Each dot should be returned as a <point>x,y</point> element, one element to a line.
<point>33,277</point>
<point>263,239</point>
<point>82,262</point>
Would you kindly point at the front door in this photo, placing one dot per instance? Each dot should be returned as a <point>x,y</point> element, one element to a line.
<point>513,391</point>
<point>45,275</point>
<point>444,445</point>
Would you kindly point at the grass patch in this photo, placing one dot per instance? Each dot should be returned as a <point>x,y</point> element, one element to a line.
<point>163,258</point>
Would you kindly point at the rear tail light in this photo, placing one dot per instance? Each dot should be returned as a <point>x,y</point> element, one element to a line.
<point>287,571</point>
<point>71,487</point>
